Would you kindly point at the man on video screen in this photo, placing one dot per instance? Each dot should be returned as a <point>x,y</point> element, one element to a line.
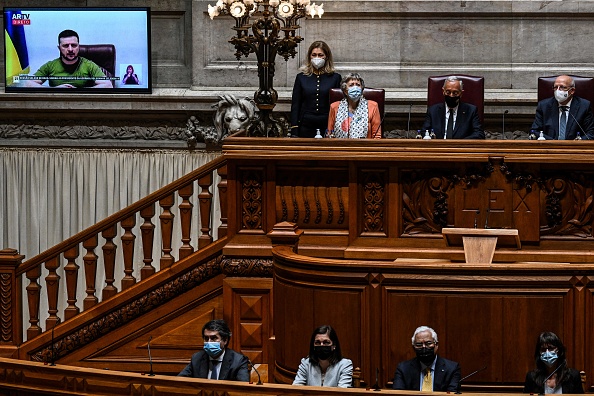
<point>77,72</point>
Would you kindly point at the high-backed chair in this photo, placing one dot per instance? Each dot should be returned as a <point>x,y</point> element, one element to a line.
<point>104,55</point>
<point>584,87</point>
<point>376,94</point>
<point>474,91</point>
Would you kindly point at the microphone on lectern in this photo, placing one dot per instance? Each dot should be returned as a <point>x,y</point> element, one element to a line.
<point>487,219</point>
<point>469,375</point>
<point>378,128</point>
<point>503,124</point>
<point>476,217</point>
<point>550,375</point>
<point>578,124</point>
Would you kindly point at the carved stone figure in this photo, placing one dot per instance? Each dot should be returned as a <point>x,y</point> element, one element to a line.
<point>233,115</point>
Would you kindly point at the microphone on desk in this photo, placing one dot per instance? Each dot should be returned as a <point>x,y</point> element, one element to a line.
<point>469,375</point>
<point>408,125</point>
<point>148,345</point>
<point>550,375</point>
<point>254,367</point>
<point>476,217</point>
<point>487,219</point>
<point>503,124</point>
<point>578,124</point>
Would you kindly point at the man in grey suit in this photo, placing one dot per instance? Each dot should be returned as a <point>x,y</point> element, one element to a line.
<point>564,116</point>
<point>217,361</point>
<point>428,371</point>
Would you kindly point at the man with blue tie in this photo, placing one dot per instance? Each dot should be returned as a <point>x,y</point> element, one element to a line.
<point>217,361</point>
<point>452,118</point>
<point>564,116</point>
<point>427,372</point>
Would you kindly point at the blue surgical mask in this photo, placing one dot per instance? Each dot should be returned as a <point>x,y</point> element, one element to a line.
<point>549,357</point>
<point>213,349</point>
<point>355,93</point>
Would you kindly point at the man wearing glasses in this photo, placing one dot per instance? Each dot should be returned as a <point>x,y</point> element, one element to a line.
<point>427,372</point>
<point>564,116</point>
<point>453,119</point>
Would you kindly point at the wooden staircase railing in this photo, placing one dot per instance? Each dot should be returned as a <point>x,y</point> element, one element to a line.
<point>136,220</point>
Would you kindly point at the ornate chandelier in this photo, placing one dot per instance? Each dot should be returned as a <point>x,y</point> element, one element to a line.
<point>273,26</point>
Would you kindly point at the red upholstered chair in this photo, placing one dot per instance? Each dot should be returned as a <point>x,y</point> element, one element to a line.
<point>474,91</point>
<point>104,55</point>
<point>584,87</point>
<point>376,94</point>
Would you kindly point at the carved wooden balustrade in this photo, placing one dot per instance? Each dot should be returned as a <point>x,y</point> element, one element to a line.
<point>136,221</point>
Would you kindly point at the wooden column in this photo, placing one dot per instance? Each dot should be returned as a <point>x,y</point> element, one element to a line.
<point>10,309</point>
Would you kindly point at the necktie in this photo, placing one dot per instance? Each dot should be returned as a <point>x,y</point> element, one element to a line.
<point>450,129</point>
<point>562,123</point>
<point>427,383</point>
<point>214,373</point>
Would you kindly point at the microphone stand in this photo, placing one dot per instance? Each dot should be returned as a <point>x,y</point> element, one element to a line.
<point>550,375</point>
<point>469,375</point>
<point>254,367</point>
<point>408,125</point>
<point>503,126</point>
<point>376,386</point>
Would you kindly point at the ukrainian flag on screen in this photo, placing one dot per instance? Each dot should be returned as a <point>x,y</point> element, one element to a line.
<point>17,57</point>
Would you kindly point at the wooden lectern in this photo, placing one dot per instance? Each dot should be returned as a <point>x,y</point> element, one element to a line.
<point>479,243</point>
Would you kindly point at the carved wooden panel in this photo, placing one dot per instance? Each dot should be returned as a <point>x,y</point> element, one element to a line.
<point>313,197</point>
<point>248,311</point>
<point>251,199</point>
<point>374,201</point>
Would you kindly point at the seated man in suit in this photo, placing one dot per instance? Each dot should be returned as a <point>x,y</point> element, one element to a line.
<point>216,361</point>
<point>427,372</point>
<point>564,115</point>
<point>453,119</point>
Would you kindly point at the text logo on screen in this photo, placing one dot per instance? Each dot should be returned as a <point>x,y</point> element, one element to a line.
<point>21,19</point>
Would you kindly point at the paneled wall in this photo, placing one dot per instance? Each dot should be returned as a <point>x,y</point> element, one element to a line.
<point>484,315</point>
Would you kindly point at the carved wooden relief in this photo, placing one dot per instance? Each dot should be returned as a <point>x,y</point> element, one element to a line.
<point>252,184</point>
<point>374,187</point>
<point>313,197</point>
<point>6,315</point>
<point>568,205</point>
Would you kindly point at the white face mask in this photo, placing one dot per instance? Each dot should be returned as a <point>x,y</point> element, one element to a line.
<point>318,62</point>
<point>561,96</point>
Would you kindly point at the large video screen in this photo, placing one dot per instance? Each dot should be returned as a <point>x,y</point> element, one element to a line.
<point>77,50</point>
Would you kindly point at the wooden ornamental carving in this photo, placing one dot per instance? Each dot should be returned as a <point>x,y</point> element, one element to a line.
<point>313,198</point>
<point>568,205</point>
<point>6,314</point>
<point>374,202</point>
<point>252,184</point>
<point>424,202</point>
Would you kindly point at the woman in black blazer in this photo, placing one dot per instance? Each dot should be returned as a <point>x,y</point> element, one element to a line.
<point>552,373</point>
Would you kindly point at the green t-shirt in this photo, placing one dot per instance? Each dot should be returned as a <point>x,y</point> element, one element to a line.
<point>81,74</point>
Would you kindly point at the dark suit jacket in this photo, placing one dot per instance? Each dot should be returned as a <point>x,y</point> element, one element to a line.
<point>446,376</point>
<point>468,125</point>
<point>572,385</point>
<point>233,368</point>
<point>547,119</point>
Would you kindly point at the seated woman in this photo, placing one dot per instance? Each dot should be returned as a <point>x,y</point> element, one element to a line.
<point>325,365</point>
<point>354,117</point>
<point>552,375</point>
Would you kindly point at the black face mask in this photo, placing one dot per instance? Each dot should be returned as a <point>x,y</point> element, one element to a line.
<point>323,352</point>
<point>425,355</point>
<point>452,101</point>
